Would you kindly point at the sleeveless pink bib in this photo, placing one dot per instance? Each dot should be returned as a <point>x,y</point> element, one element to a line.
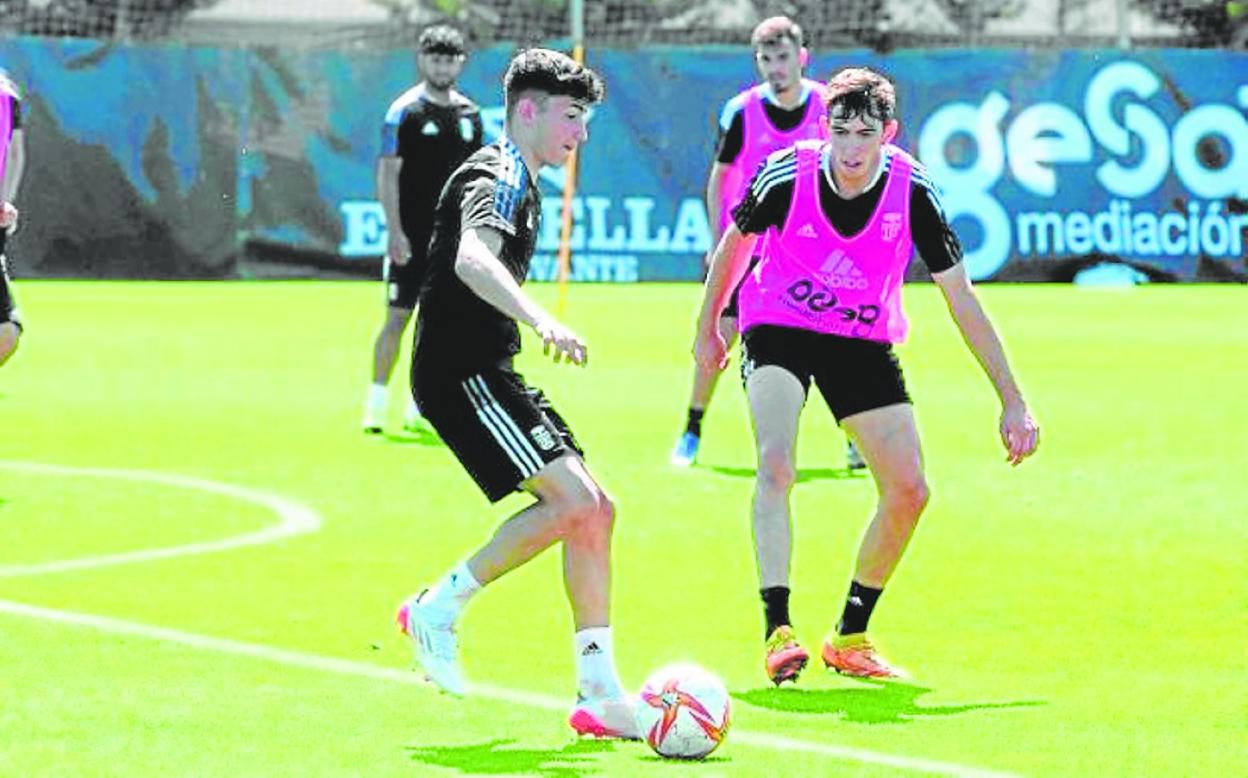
<point>760,138</point>
<point>813,278</point>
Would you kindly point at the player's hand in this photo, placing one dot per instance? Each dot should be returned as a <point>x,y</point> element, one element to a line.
<point>397,248</point>
<point>563,342</point>
<point>1020,434</point>
<point>8,216</point>
<point>710,350</point>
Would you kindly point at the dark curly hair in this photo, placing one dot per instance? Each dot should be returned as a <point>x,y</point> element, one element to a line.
<point>554,73</point>
<point>441,39</point>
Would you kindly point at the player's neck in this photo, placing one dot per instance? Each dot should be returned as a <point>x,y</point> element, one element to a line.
<point>435,95</point>
<point>790,98</point>
<point>528,152</point>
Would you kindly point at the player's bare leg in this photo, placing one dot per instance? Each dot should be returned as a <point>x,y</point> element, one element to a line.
<point>385,353</point>
<point>705,379</point>
<point>9,336</point>
<point>889,441</point>
<point>776,399</point>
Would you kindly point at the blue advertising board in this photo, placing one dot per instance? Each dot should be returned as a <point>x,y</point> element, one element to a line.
<point>1045,157</point>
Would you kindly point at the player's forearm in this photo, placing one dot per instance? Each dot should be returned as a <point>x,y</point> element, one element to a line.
<point>982,339</point>
<point>387,181</point>
<point>482,272</point>
<point>727,267</point>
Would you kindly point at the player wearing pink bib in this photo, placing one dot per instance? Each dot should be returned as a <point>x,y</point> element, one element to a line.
<point>12,164</point>
<point>782,110</point>
<point>842,219</point>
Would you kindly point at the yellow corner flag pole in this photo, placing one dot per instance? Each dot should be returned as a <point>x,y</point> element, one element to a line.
<point>565,227</point>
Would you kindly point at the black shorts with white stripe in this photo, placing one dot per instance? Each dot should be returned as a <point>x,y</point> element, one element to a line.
<point>501,430</point>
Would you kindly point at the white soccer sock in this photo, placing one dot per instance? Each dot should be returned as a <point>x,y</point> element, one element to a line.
<point>449,596</point>
<point>377,396</point>
<point>595,664</point>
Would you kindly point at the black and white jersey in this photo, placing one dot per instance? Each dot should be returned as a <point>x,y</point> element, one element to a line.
<point>767,202</point>
<point>459,333</point>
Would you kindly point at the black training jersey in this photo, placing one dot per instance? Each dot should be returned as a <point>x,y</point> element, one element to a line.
<point>770,195</point>
<point>432,140</point>
<point>732,122</point>
<point>458,333</point>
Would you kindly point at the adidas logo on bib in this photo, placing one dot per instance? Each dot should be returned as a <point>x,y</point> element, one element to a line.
<point>429,129</point>
<point>842,273</point>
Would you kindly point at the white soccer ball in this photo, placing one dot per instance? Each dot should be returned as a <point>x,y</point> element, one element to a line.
<point>683,711</point>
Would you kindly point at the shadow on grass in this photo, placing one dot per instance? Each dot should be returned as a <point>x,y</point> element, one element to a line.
<point>803,475</point>
<point>879,702</point>
<point>493,757</point>
<point>417,437</point>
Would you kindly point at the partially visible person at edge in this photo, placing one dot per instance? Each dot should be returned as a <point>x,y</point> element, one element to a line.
<point>12,166</point>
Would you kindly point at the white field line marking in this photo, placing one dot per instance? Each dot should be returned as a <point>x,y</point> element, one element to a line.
<point>293,518</point>
<point>529,699</point>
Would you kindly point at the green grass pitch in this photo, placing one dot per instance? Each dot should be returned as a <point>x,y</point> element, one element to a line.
<point>1084,614</point>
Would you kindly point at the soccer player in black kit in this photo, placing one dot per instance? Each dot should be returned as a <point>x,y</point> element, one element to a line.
<point>430,129</point>
<point>505,433</point>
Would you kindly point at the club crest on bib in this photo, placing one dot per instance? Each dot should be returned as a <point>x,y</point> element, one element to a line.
<point>891,225</point>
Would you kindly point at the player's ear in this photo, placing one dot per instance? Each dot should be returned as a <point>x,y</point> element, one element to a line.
<point>803,56</point>
<point>526,108</point>
<point>891,128</point>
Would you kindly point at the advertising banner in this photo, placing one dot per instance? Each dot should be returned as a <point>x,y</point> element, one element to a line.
<point>181,162</point>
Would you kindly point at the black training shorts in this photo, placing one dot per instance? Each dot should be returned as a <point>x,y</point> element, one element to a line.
<point>501,430</point>
<point>852,374</point>
<point>403,282</point>
<point>8,307</point>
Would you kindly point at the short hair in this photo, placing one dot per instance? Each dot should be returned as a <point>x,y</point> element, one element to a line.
<point>861,90</point>
<point>774,30</point>
<point>441,39</point>
<point>553,73</point>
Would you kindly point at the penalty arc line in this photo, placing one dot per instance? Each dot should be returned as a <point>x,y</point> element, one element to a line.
<point>297,519</point>
<point>293,518</point>
<point>517,697</point>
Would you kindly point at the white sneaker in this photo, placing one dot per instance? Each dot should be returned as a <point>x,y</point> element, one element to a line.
<point>606,717</point>
<point>412,420</point>
<point>437,647</point>
<point>374,418</point>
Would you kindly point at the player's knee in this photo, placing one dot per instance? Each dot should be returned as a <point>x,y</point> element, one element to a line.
<point>910,496</point>
<point>585,509</point>
<point>8,340</point>
<point>593,514</point>
<point>776,470</point>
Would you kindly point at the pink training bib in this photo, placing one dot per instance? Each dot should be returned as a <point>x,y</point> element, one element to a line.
<point>813,278</point>
<point>760,138</point>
